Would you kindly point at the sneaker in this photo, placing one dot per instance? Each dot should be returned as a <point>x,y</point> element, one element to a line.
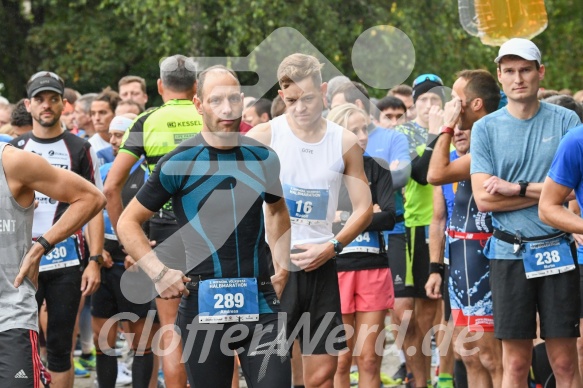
<point>122,347</point>
<point>80,371</point>
<point>353,379</point>
<point>389,381</point>
<point>129,359</point>
<point>45,376</point>
<point>90,362</point>
<point>409,381</point>
<point>401,373</point>
<point>77,352</point>
<point>124,375</point>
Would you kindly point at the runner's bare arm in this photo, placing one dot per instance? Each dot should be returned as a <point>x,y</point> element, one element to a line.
<point>552,211</point>
<point>437,226</point>
<point>91,278</point>
<point>441,170</point>
<point>493,194</point>
<point>436,242</point>
<point>116,179</point>
<point>26,173</point>
<point>137,245</point>
<point>278,230</point>
<point>358,189</point>
<point>261,133</point>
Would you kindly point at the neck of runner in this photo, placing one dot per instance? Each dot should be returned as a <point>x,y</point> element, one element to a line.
<point>309,134</point>
<point>221,140</point>
<point>523,110</point>
<point>46,132</point>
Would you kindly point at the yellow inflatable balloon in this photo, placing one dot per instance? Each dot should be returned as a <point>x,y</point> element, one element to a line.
<point>496,21</point>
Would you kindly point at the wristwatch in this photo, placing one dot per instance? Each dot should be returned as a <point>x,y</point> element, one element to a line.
<point>446,129</point>
<point>45,244</point>
<point>338,247</point>
<point>97,258</point>
<point>523,186</point>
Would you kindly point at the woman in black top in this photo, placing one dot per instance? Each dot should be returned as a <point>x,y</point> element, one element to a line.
<point>366,287</point>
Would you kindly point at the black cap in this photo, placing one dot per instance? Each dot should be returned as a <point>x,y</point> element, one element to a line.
<point>45,81</point>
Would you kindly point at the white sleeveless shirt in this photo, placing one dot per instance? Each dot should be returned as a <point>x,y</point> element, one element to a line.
<point>311,175</point>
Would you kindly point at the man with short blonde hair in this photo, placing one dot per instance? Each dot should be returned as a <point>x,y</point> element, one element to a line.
<point>316,156</point>
<point>296,67</point>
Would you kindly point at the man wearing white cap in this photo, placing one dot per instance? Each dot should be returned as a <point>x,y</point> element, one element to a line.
<point>109,300</point>
<point>532,266</point>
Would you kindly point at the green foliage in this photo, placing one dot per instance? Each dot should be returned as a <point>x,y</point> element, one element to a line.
<point>92,43</point>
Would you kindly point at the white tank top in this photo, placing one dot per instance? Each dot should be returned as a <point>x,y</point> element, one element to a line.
<point>311,175</point>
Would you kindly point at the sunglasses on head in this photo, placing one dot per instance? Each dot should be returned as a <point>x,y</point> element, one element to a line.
<point>427,77</point>
<point>46,74</point>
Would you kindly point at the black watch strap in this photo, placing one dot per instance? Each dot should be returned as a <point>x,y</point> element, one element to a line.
<point>338,247</point>
<point>523,186</point>
<point>97,258</point>
<point>436,268</point>
<point>45,244</point>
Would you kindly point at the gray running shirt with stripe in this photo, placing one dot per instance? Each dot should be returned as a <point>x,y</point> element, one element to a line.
<point>18,307</point>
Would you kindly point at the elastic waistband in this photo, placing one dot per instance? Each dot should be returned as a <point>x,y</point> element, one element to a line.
<point>196,279</point>
<point>468,235</point>
<point>513,239</point>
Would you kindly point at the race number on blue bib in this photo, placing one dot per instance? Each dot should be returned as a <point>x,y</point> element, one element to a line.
<point>547,257</point>
<point>64,255</point>
<point>306,206</point>
<point>365,242</point>
<point>228,300</point>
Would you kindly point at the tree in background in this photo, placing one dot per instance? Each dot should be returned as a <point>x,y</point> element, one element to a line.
<point>93,43</point>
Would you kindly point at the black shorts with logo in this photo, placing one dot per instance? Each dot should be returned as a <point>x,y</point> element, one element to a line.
<point>20,365</point>
<point>516,300</point>
<point>415,265</point>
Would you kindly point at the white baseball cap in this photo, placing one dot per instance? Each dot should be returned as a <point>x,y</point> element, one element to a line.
<point>120,123</point>
<point>523,48</point>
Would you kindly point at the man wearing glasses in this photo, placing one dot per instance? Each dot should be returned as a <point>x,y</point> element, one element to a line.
<point>427,93</point>
<point>61,281</point>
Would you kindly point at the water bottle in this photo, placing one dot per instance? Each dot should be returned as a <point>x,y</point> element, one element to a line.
<point>496,21</point>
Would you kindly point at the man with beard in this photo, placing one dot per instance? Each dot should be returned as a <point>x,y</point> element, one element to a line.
<point>61,281</point>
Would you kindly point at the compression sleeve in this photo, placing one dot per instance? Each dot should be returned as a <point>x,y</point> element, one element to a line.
<point>385,219</point>
<point>420,164</point>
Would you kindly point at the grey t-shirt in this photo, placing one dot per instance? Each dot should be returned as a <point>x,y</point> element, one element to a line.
<point>514,149</point>
<point>18,307</point>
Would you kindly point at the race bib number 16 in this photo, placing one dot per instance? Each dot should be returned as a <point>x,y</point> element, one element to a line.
<point>306,206</point>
